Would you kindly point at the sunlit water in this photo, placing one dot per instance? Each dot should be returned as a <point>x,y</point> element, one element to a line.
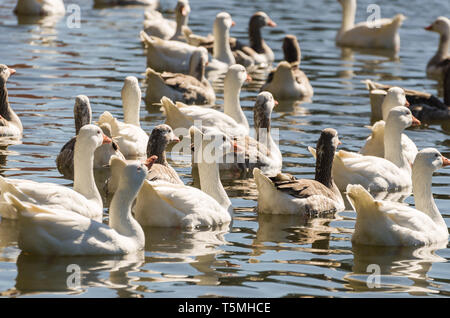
<point>258,256</point>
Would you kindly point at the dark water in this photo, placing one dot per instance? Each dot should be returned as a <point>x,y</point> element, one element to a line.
<point>260,256</point>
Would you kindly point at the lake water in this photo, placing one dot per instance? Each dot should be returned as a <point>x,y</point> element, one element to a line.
<point>258,256</point>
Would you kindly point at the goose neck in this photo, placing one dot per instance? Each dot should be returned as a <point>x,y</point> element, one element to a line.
<point>83,181</point>
<point>211,184</point>
<point>393,145</point>
<point>444,43</point>
<point>348,16</point>
<point>423,197</point>
<point>5,108</point>
<point>120,218</point>
<point>324,164</point>
<point>255,37</point>
<point>221,46</point>
<point>232,103</point>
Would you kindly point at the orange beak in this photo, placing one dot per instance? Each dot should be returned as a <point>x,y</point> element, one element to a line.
<point>275,102</point>
<point>415,122</point>
<point>249,78</point>
<point>429,28</point>
<point>407,104</point>
<point>271,24</point>
<point>106,139</point>
<point>445,161</point>
<point>233,23</point>
<point>11,71</point>
<point>175,139</point>
<point>150,161</point>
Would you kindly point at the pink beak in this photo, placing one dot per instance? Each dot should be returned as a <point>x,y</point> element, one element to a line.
<point>415,122</point>
<point>11,71</point>
<point>445,161</point>
<point>106,140</point>
<point>407,104</point>
<point>429,28</point>
<point>233,23</point>
<point>249,78</point>
<point>271,23</point>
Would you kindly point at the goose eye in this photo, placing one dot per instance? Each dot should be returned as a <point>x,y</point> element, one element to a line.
<point>139,169</point>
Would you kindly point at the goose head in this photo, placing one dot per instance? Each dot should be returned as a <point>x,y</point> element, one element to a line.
<point>261,19</point>
<point>441,25</point>
<point>182,11</point>
<point>209,145</point>
<point>160,137</point>
<point>429,160</point>
<point>82,112</point>
<point>131,100</point>
<point>291,49</point>
<point>395,97</point>
<point>262,110</point>
<point>6,72</point>
<point>90,137</point>
<point>402,118</point>
<point>236,76</point>
<point>284,71</point>
<point>132,177</point>
<point>106,128</point>
<point>223,23</point>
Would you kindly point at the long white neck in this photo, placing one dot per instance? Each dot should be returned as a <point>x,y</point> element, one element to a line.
<point>83,180</point>
<point>210,184</point>
<point>348,16</point>
<point>120,218</point>
<point>444,43</point>
<point>131,100</point>
<point>421,182</point>
<point>182,20</point>
<point>232,102</point>
<point>221,47</point>
<point>393,150</point>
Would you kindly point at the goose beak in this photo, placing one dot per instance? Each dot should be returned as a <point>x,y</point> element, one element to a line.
<point>271,23</point>
<point>184,11</point>
<point>445,161</point>
<point>106,139</point>
<point>233,23</point>
<point>407,104</point>
<point>11,71</point>
<point>175,139</point>
<point>248,79</point>
<point>429,28</point>
<point>415,122</point>
<point>150,161</point>
<point>275,102</point>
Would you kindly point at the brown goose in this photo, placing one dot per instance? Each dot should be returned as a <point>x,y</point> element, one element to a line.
<point>83,115</point>
<point>437,64</point>
<point>188,89</point>
<point>287,81</point>
<point>284,194</point>
<point>160,137</point>
<point>10,124</point>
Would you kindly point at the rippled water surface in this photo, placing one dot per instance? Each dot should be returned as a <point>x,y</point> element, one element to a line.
<point>258,256</point>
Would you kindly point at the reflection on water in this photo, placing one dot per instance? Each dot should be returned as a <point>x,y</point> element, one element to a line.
<point>402,269</point>
<point>258,255</point>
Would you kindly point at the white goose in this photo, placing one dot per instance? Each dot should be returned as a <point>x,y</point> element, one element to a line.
<point>56,231</point>
<point>150,4</point>
<point>394,224</point>
<point>156,25</point>
<point>10,124</point>
<point>40,7</point>
<point>391,173</point>
<point>165,204</point>
<point>375,143</point>
<point>82,114</point>
<point>437,64</point>
<point>231,122</point>
<point>284,194</point>
<point>129,135</point>
<point>83,199</point>
<point>378,34</point>
<point>171,56</point>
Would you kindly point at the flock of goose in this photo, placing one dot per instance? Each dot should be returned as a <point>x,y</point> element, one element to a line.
<point>147,191</point>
